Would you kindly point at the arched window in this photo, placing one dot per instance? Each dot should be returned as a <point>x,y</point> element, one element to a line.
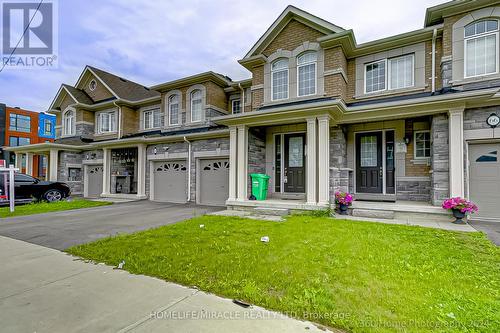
<point>173,110</point>
<point>306,73</point>
<point>69,122</point>
<point>196,106</point>
<point>279,79</point>
<point>481,48</point>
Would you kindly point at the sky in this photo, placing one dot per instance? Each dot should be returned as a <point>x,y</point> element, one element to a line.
<point>156,41</point>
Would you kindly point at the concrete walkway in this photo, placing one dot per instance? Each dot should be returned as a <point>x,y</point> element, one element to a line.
<point>44,290</point>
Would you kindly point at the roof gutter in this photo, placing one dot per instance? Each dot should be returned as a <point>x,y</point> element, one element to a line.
<point>433,80</point>
<point>189,169</point>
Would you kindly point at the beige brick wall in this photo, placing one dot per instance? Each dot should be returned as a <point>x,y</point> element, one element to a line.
<point>351,80</point>
<point>447,33</point>
<point>292,36</point>
<point>258,75</point>
<point>130,120</point>
<point>257,98</point>
<point>216,96</point>
<point>335,85</point>
<point>411,168</point>
<point>66,102</point>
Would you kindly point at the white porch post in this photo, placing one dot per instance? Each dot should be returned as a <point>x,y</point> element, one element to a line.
<point>242,162</point>
<point>29,164</point>
<point>53,162</point>
<point>106,165</point>
<point>19,161</point>
<point>311,162</point>
<point>456,151</point>
<point>141,170</point>
<point>324,160</point>
<point>233,161</point>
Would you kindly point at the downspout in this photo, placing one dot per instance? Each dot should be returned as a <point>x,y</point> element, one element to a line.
<point>433,79</point>
<point>119,120</point>
<point>242,98</point>
<point>189,169</point>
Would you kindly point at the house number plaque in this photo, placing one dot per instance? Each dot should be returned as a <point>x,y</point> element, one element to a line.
<point>493,120</point>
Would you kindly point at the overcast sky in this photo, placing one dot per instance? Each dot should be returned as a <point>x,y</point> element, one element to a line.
<point>157,41</point>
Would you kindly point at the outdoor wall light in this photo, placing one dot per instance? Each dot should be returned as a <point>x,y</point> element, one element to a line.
<point>155,150</point>
<point>407,139</point>
<point>166,148</point>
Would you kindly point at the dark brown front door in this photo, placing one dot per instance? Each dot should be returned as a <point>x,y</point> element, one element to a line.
<point>294,168</point>
<point>369,171</point>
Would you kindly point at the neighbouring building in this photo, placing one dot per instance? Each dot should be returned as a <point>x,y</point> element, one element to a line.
<point>405,121</point>
<point>22,127</point>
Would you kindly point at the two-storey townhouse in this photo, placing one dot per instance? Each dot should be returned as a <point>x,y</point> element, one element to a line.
<point>408,118</point>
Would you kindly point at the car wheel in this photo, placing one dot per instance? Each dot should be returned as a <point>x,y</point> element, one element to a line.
<point>53,195</point>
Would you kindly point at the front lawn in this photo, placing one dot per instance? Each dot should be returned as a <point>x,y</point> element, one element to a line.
<point>46,207</point>
<point>361,277</point>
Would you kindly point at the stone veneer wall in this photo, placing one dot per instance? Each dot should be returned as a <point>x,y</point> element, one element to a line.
<point>414,190</point>
<point>440,182</point>
<point>66,160</point>
<point>446,72</point>
<point>208,145</point>
<point>340,175</point>
<point>256,154</point>
<point>85,130</point>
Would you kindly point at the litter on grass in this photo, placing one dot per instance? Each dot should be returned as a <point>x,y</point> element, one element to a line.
<point>264,239</point>
<point>120,265</point>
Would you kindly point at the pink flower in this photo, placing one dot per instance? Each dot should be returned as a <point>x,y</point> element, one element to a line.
<point>461,204</point>
<point>343,198</point>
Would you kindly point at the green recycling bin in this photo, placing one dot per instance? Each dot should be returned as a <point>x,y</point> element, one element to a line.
<point>260,183</point>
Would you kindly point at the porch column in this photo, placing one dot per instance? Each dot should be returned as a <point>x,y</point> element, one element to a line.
<point>324,160</point>
<point>106,166</point>
<point>141,170</point>
<point>29,164</point>
<point>456,139</point>
<point>53,162</point>
<point>233,161</point>
<point>19,160</point>
<point>311,162</point>
<point>242,166</point>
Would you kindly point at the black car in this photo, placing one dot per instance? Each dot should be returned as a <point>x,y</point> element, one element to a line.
<point>28,188</point>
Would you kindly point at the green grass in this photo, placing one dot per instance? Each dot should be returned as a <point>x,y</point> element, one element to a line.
<point>357,276</point>
<point>46,207</point>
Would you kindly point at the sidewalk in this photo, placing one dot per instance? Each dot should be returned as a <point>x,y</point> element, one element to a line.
<point>44,290</point>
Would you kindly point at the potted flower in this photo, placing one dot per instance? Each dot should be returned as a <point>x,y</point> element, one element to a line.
<point>343,200</point>
<point>460,207</point>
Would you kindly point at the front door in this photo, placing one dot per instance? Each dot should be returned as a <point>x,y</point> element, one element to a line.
<point>369,168</point>
<point>294,163</point>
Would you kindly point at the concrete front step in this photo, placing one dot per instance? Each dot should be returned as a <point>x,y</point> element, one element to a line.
<point>372,213</point>
<point>271,211</point>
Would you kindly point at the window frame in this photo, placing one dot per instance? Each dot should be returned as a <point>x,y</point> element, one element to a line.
<point>415,145</point>
<point>45,123</point>
<point>481,35</point>
<point>315,62</point>
<point>385,61</point>
<point>169,104</point>
<point>99,122</point>
<point>287,69</point>
<point>152,111</point>
<point>191,100</point>
<point>72,130</point>
<point>389,72</point>
<point>232,105</point>
<point>17,140</point>
<point>16,117</point>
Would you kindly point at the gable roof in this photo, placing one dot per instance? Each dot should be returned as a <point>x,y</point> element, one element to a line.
<point>78,95</point>
<point>435,14</point>
<point>285,17</point>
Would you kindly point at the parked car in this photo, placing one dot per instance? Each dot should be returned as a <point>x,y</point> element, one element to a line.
<point>28,188</point>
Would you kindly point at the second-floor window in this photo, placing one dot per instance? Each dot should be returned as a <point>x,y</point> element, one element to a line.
<point>152,119</point>
<point>306,74</point>
<point>401,71</point>
<point>375,76</point>
<point>15,141</point>
<point>236,105</point>
<point>173,110</point>
<point>69,122</point>
<point>196,106</point>
<point>481,48</point>
<point>47,127</point>
<point>390,74</point>
<point>20,123</point>
<point>279,79</point>
<point>106,122</point>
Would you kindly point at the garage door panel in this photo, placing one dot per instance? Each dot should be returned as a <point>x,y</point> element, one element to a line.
<point>484,181</point>
<point>170,181</point>
<point>94,181</point>
<point>214,181</point>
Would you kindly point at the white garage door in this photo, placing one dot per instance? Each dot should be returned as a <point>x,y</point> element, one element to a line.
<point>170,181</point>
<point>484,180</point>
<point>214,181</point>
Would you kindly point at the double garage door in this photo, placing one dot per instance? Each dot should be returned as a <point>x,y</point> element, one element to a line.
<point>170,181</point>
<point>484,180</point>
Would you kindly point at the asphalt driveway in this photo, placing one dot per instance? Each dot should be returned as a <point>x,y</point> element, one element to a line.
<point>60,230</point>
<point>491,229</point>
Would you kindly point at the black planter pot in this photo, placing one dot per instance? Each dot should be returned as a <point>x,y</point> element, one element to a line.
<point>343,209</point>
<point>458,215</point>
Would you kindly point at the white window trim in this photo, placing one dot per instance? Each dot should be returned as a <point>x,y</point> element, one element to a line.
<point>287,79</point>
<point>90,84</point>
<point>73,123</point>
<point>484,34</point>
<point>415,145</point>
<point>364,77</point>
<point>232,104</point>
<point>178,111</point>
<point>315,74</point>
<point>98,122</point>
<point>191,100</point>
<point>152,110</point>
<point>388,70</point>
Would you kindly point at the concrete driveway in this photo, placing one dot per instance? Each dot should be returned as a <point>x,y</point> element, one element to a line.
<point>61,230</point>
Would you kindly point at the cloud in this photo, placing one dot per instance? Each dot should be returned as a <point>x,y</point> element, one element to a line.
<point>156,41</point>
